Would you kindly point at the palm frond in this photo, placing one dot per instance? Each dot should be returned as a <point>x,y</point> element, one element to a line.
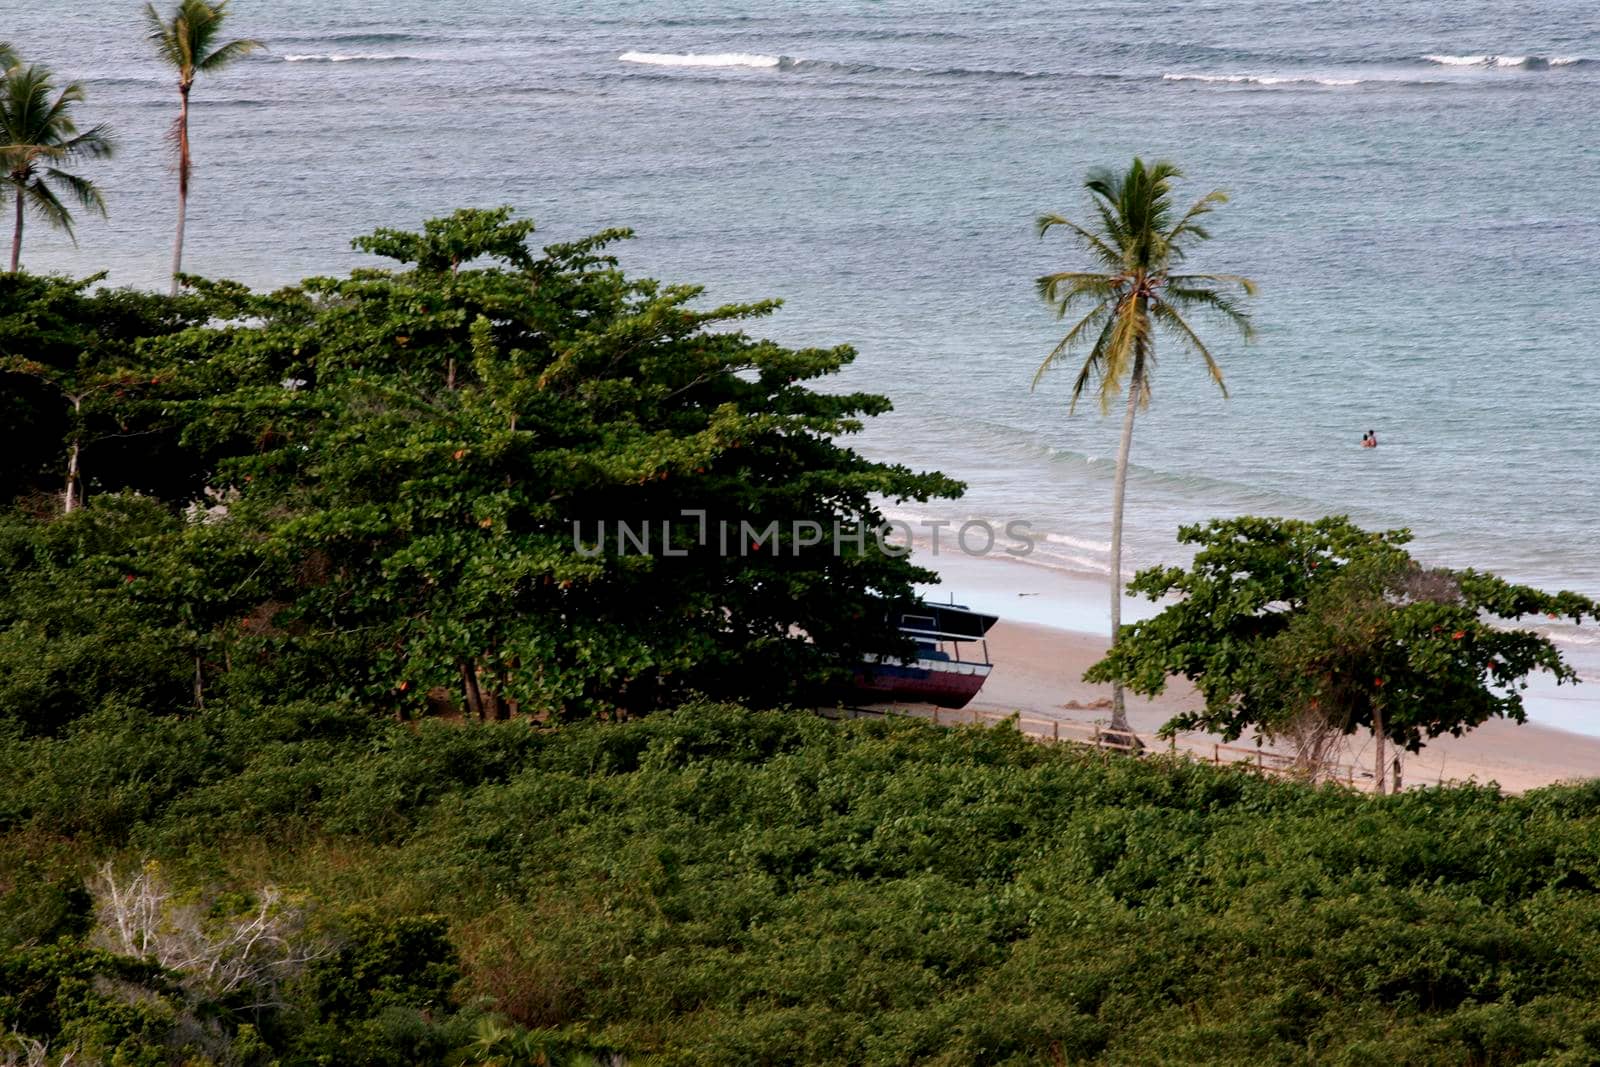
<point>44,202</point>
<point>1098,317</point>
<point>1189,224</point>
<point>83,190</point>
<point>1095,243</point>
<point>1138,234</point>
<point>1168,315</point>
<point>94,143</point>
<point>164,35</point>
<point>38,137</point>
<point>1092,367</point>
<point>228,53</point>
<point>1129,332</point>
<point>1069,288</point>
<point>1222,303</point>
<point>1250,288</point>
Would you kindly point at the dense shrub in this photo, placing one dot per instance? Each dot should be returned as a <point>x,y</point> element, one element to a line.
<point>717,886</point>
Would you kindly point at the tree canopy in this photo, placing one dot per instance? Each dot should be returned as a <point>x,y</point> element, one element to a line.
<point>1276,617</point>
<point>408,486</point>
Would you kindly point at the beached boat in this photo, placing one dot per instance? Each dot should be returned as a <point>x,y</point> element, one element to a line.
<point>951,663</point>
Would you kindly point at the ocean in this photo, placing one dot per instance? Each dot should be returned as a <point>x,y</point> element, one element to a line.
<point>1413,186</point>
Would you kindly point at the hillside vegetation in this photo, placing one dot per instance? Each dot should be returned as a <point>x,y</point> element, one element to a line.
<point>719,886</point>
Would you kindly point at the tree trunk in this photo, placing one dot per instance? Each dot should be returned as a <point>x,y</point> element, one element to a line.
<point>469,685</point>
<point>183,182</point>
<point>70,496</point>
<point>16,235</point>
<point>1378,769</point>
<point>199,684</point>
<point>502,706</point>
<point>1119,713</point>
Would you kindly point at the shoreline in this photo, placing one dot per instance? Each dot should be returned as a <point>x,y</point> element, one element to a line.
<point>1054,625</point>
<point>1039,672</point>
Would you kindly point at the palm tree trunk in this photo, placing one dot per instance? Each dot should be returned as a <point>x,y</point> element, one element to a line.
<point>183,183</point>
<point>16,235</point>
<point>1119,713</point>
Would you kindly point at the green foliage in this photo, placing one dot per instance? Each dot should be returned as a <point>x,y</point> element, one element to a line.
<point>716,885</point>
<point>406,520</point>
<point>187,42</point>
<point>114,1009</point>
<point>76,368</point>
<point>1138,243</point>
<point>1278,617</point>
<point>39,906</point>
<point>39,139</point>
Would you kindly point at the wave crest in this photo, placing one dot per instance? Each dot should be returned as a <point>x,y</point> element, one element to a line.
<point>340,57</point>
<point>1525,62</point>
<point>690,59</point>
<point>1262,79</point>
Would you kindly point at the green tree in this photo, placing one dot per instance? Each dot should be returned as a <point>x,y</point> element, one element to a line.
<point>1134,293</point>
<point>81,401</point>
<point>1280,618</point>
<point>38,138</point>
<point>187,42</point>
<point>436,501</point>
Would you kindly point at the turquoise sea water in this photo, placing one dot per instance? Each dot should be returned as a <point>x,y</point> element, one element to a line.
<point>1414,187</point>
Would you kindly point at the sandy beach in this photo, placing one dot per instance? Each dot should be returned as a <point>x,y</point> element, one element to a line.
<point>1039,672</point>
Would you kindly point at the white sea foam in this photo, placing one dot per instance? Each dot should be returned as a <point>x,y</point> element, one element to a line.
<point>1261,79</point>
<point>720,59</point>
<point>1490,60</point>
<point>1078,542</point>
<point>340,57</point>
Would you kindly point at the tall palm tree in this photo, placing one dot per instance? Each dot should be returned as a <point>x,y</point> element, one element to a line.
<point>187,42</point>
<point>37,139</point>
<point>1132,294</point>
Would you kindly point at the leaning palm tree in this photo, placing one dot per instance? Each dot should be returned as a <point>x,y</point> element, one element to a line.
<point>187,42</point>
<point>38,138</point>
<point>1132,294</point>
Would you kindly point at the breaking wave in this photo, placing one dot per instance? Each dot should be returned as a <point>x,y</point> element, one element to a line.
<point>689,59</point>
<point>340,57</point>
<point>1262,79</point>
<point>1528,62</point>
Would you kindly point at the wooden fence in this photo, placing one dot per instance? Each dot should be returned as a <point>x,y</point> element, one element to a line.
<point>1066,731</point>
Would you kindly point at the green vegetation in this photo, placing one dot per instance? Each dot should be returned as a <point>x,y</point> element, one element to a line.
<point>1138,290</point>
<point>1283,624</point>
<point>384,492</point>
<point>716,886</point>
<point>323,663</point>
<point>39,139</point>
<point>187,42</point>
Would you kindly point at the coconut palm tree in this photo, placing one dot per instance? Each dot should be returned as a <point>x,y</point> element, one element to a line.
<point>1132,294</point>
<point>38,138</point>
<point>187,42</point>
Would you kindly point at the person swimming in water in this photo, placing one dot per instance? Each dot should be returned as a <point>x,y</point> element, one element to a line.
<point>1369,439</point>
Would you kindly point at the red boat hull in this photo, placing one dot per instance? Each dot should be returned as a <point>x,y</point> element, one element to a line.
<point>922,681</point>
